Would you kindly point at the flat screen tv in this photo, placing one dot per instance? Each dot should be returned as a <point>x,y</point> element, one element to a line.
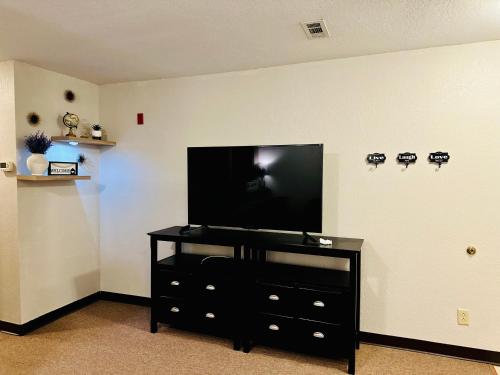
<point>256,187</point>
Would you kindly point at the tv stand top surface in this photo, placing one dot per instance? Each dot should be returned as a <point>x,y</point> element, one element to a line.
<point>272,241</point>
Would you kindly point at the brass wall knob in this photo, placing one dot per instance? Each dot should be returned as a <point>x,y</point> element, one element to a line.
<point>471,250</point>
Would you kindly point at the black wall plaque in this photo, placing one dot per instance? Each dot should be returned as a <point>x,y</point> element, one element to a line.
<point>439,157</point>
<point>407,158</point>
<point>376,159</point>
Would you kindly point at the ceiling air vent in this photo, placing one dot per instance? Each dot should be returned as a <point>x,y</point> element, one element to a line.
<point>316,29</point>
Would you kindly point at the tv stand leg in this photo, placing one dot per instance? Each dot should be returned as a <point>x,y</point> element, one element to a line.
<point>237,345</point>
<point>154,326</point>
<point>358,298</point>
<point>351,365</point>
<point>246,347</point>
<point>154,266</point>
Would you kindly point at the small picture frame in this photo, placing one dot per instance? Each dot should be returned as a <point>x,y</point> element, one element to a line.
<point>62,168</point>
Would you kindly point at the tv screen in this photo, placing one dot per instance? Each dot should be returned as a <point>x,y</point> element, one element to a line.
<point>260,187</point>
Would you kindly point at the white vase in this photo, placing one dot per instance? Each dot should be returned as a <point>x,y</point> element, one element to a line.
<point>97,134</point>
<point>37,164</point>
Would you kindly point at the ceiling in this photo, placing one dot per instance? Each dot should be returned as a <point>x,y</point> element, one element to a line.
<point>105,41</point>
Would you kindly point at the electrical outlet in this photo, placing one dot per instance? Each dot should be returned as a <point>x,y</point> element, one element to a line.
<point>463,318</point>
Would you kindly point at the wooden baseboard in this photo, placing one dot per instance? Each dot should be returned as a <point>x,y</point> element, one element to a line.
<point>22,329</point>
<point>125,298</point>
<point>462,352</point>
<point>11,328</point>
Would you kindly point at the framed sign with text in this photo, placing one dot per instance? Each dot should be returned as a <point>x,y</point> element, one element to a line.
<point>62,168</point>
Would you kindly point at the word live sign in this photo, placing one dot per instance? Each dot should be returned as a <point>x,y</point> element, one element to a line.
<point>376,159</point>
<point>439,157</point>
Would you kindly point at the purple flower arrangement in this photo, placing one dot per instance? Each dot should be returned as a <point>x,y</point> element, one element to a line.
<point>38,143</point>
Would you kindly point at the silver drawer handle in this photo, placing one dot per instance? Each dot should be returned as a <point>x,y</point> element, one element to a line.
<point>274,327</point>
<point>175,309</point>
<point>319,335</point>
<point>274,297</point>
<point>319,304</point>
<point>210,287</point>
<point>175,283</point>
<point>210,315</point>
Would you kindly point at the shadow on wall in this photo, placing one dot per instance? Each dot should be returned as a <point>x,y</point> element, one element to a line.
<point>331,163</point>
<point>373,288</point>
<point>59,238</point>
<point>85,283</point>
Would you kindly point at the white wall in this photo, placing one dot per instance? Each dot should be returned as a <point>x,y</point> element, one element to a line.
<point>58,222</point>
<point>10,301</point>
<point>416,222</point>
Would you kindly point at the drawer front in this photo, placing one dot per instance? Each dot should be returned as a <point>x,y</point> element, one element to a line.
<point>172,311</point>
<point>324,338</point>
<point>212,288</point>
<point>173,284</point>
<point>276,299</point>
<point>326,306</point>
<point>214,319</point>
<point>275,329</point>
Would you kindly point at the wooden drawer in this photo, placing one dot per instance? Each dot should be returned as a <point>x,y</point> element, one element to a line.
<point>173,284</point>
<point>213,319</point>
<point>173,311</point>
<point>320,337</point>
<point>213,288</point>
<point>328,306</point>
<point>275,299</point>
<point>275,329</point>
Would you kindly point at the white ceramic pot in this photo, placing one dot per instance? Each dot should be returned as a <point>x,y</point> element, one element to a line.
<point>97,134</point>
<point>37,164</point>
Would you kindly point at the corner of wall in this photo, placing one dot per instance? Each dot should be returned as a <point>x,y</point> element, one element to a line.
<point>10,298</point>
<point>58,223</point>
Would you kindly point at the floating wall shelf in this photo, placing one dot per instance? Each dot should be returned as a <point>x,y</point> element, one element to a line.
<point>51,178</point>
<point>86,141</point>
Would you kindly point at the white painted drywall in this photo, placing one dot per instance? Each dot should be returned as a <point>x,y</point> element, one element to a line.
<point>58,222</point>
<point>417,222</point>
<point>10,302</point>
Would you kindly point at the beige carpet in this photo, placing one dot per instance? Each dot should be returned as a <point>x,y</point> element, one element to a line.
<point>113,338</point>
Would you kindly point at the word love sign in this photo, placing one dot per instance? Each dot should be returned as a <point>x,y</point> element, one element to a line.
<point>439,157</point>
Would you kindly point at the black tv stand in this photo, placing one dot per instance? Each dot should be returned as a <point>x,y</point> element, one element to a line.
<point>255,301</point>
<point>308,238</point>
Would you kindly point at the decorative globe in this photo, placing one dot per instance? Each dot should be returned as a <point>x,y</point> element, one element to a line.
<point>70,120</point>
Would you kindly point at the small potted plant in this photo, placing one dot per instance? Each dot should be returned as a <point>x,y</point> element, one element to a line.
<point>96,131</point>
<point>38,144</point>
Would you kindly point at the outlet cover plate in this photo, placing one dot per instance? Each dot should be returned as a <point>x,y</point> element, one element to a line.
<point>463,317</point>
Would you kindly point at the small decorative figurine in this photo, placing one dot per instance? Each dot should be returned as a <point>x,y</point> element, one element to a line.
<point>70,120</point>
<point>96,131</point>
